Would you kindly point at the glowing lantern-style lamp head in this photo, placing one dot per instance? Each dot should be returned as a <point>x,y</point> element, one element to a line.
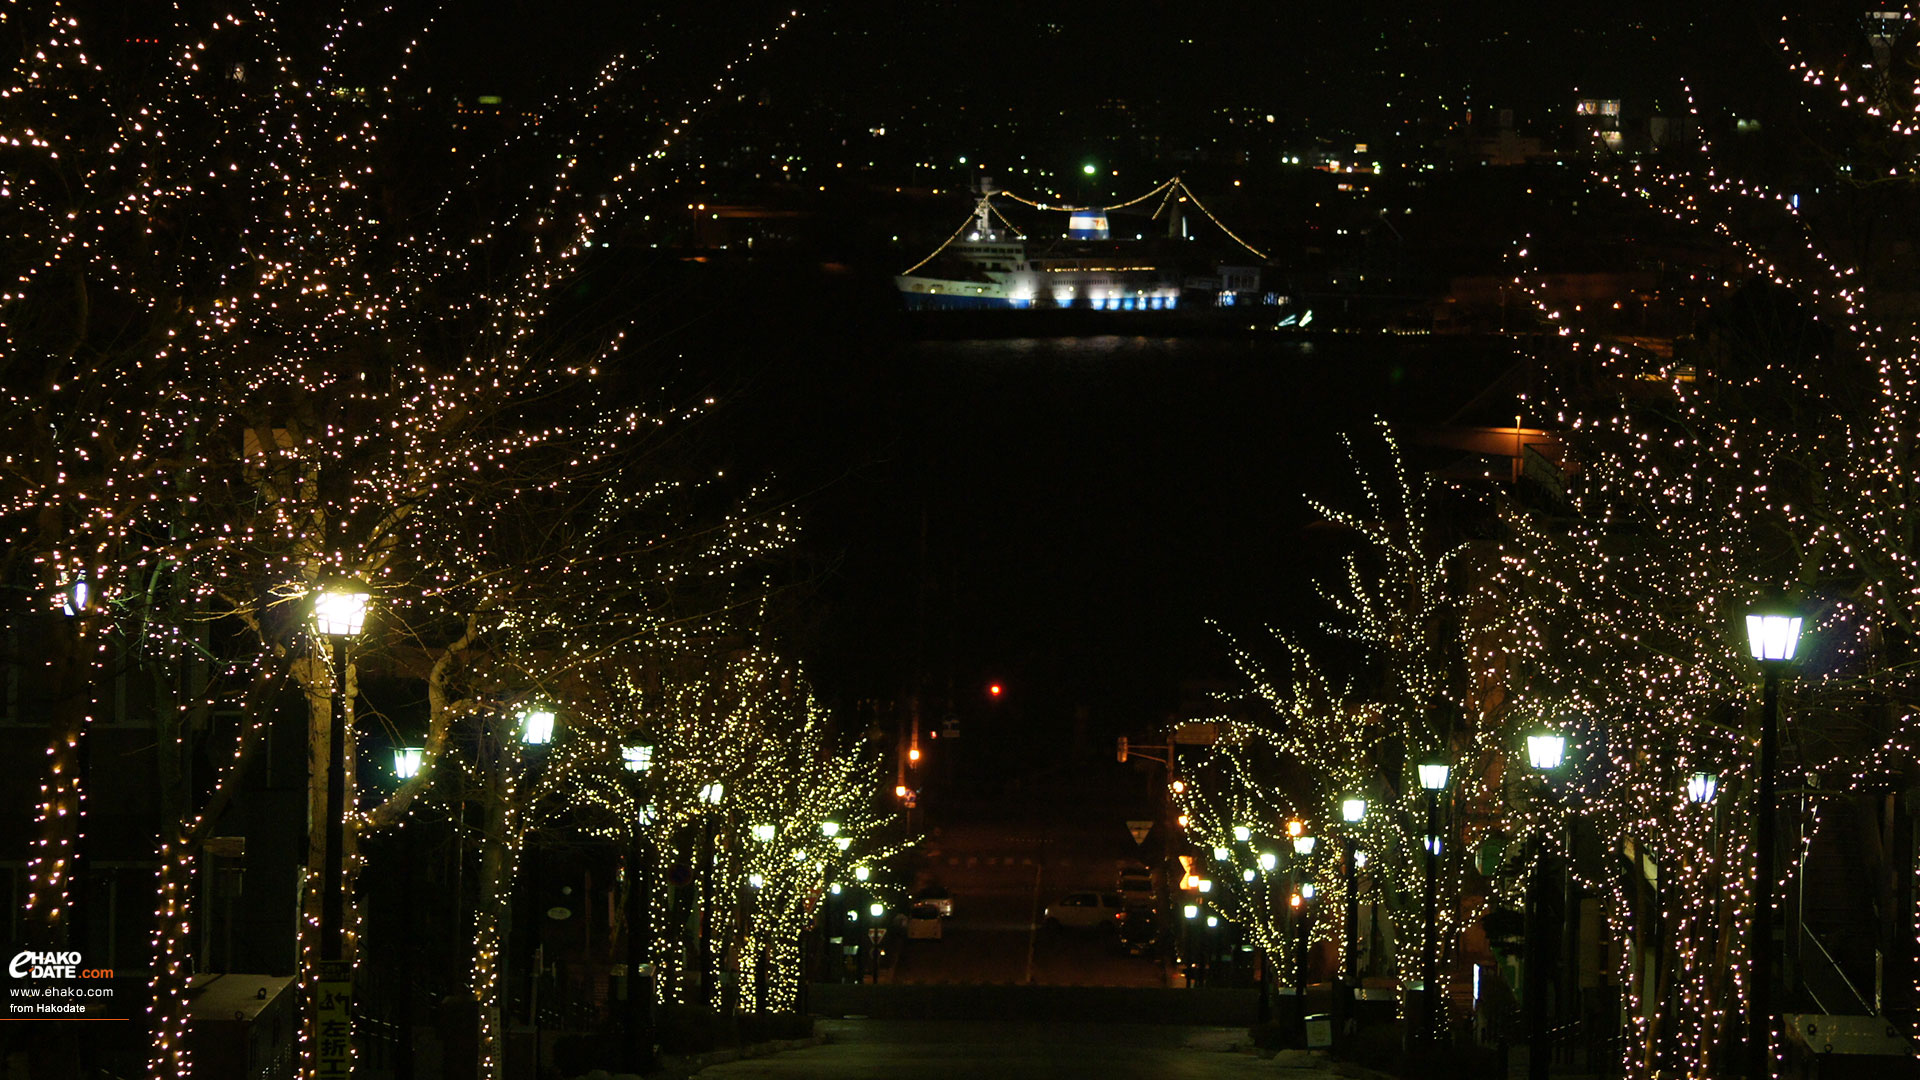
<point>1221,854</point>
<point>1242,833</point>
<point>406,761</point>
<point>536,726</point>
<point>1545,750</point>
<point>1268,860</point>
<point>1773,634</point>
<point>340,610</point>
<point>1303,845</point>
<point>763,833</point>
<point>1353,810</point>
<point>711,794</point>
<point>637,757</point>
<point>1434,772</point>
<point>829,829</point>
<point>1701,787</point>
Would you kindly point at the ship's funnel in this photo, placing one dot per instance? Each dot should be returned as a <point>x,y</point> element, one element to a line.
<point>1088,225</point>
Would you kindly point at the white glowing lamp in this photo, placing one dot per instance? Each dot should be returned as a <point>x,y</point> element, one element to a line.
<point>1268,860</point>
<point>638,758</point>
<point>861,873</point>
<point>1545,751</point>
<point>876,910</point>
<point>1306,890</point>
<point>1242,833</point>
<point>1353,810</point>
<point>1433,774</point>
<point>843,842</point>
<point>1303,845</point>
<point>829,829</point>
<point>763,833</point>
<point>536,726</point>
<point>1773,635</point>
<point>1701,787</point>
<point>406,761</point>
<point>711,794</point>
<point>340,611</point>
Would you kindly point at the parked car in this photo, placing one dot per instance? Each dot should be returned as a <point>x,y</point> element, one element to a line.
<point>923,923</point>
<point>1085,911</point>
<point>939,897</point>
<point>1136,886</point>
<point>1139,929</point>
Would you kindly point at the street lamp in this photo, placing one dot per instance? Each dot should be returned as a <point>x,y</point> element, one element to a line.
<point>1701,787</point>
<point>536,726</point>
<point>638,758</point>
<point>764,833</point>
<point>1545,751</point>
<point>339,613</point>
<point>1433,780</point>
<point>1773,635</point>
<point>1242,834</point>
<point>406,761</point>
<point>1353,811</point>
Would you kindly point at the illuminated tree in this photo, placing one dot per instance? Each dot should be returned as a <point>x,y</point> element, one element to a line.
<point>1781,461</point>
<point>1321,737</point>
<point>236,378</point>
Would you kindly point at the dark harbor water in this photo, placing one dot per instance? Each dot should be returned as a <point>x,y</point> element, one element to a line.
<point>1065,516</point>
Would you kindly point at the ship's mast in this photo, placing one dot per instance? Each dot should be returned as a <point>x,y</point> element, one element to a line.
<point>983,212</point>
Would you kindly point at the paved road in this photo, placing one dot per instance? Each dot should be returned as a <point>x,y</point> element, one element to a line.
<point>960,1050</point>
<point>1002,878</point>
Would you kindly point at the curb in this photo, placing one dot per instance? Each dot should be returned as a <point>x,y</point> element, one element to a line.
<point>679,1068</point>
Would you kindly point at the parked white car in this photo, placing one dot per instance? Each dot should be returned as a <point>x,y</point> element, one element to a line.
<point>1085,911</point>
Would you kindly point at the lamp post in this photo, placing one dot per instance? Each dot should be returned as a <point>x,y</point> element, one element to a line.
<point>1772,636</point>
<point>339,614</point>
<point>1353,811</point>
<point>1300,903</point>
<point>638,758</point>
<point>1544,753</point>
<point>1433,780</point>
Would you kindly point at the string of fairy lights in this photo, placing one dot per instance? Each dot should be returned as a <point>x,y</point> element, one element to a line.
<point>1167,190</point>
<point>270,411</point>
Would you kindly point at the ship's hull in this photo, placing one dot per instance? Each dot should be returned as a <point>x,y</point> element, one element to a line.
<point>1089,290</point>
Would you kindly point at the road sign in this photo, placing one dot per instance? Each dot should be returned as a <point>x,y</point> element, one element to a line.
<point>1139,829</point>
<point>1196,733</point>
<point>333,1020</point>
